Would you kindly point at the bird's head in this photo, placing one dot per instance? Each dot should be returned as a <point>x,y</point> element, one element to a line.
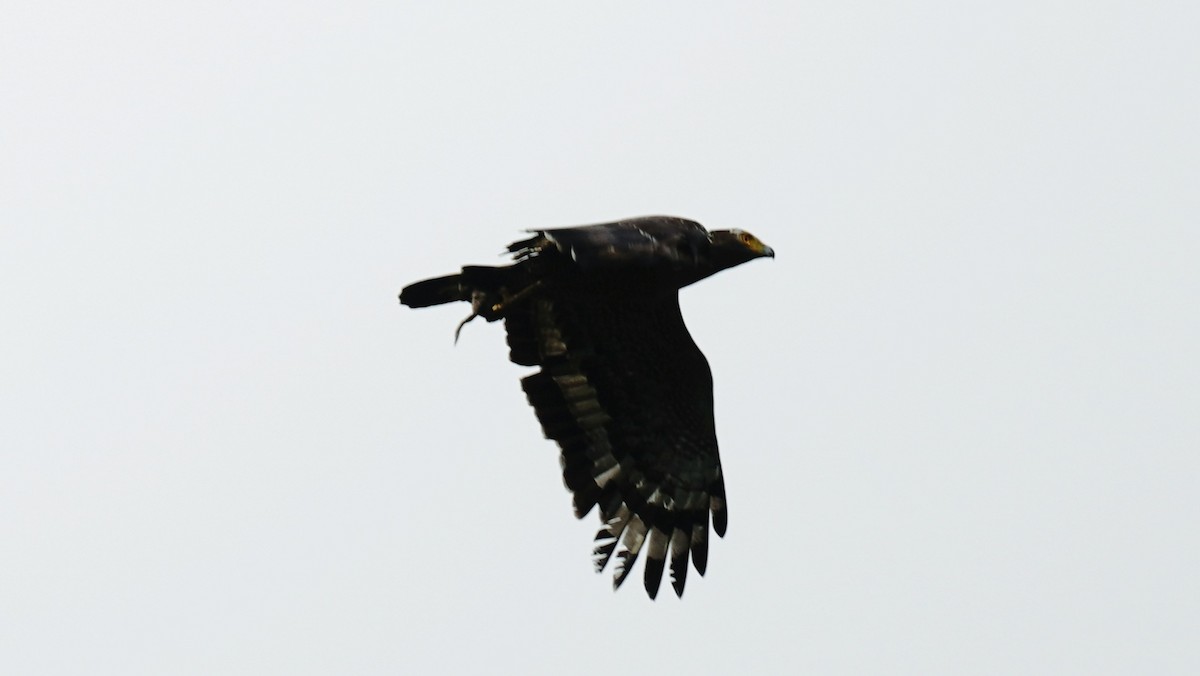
<point>734,247</point>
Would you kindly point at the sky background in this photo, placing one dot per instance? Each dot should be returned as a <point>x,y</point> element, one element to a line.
<point>958,414</point>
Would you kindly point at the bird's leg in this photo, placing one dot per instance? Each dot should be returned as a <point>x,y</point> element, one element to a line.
<point>477,300</point>
<point>510,300</point>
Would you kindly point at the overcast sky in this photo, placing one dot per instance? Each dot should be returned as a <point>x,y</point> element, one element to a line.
<point>958,414</point>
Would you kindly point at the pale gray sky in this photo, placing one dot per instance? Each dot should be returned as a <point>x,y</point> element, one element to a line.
<point>958,413</point>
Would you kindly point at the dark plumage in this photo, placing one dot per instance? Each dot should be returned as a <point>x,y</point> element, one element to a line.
<point>622,388</point>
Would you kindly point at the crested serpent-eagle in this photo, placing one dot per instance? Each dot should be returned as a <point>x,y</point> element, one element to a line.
<point>622,388</point>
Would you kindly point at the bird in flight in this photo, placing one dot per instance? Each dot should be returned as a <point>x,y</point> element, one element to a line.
<point>622,387</point>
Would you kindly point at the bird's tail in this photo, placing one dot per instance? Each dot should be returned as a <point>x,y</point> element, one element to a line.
<point>475,281</point>
<point>435,291</point>
<point>484,286</point>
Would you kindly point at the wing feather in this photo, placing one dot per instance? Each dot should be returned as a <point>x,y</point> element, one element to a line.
<point>656,558</point>
<point>627,395</point>
<point>635,537</point>
<point>679,559</point>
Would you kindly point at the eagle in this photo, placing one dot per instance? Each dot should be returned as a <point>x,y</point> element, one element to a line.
<point>621,387</point>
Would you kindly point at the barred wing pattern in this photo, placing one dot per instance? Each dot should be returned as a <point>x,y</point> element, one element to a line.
<point>627,395</point>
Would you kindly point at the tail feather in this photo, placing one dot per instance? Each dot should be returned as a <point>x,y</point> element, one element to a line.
<point>482,278</point>
<point>435,291</point>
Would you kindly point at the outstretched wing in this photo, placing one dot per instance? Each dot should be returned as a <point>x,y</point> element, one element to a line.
<point>627,395</point>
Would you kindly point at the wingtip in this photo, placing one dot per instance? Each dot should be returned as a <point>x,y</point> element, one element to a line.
<point>654,573</point>
<point>680,545</point>
<point>720,515</point>
<point>656,559</point>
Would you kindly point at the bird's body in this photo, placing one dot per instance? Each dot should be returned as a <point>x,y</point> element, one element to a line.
<point>622,388</point>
